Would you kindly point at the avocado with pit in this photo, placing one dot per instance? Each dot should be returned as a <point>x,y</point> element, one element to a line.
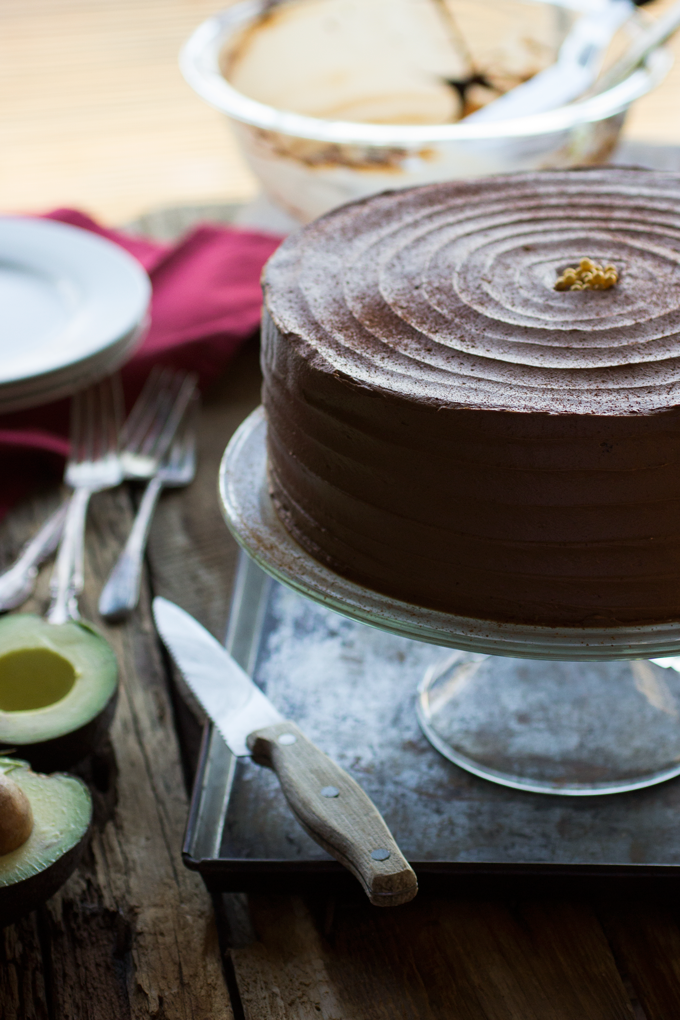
<point>58,689</point>
<point>44,825</point>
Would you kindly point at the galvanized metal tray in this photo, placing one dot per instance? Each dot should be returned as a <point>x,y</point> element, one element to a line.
<point>352,688</point>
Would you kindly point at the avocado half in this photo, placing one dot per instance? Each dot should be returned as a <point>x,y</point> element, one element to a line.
<point>62,814</point>
<point>58,689</point>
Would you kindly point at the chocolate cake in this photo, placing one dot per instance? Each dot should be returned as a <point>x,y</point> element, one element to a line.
<point>447,428</point>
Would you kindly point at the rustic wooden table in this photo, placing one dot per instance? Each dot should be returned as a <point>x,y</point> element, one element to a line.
<point>134,934</point>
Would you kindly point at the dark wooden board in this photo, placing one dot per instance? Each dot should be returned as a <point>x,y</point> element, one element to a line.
<point>437,959</point>
<point>645,940</point>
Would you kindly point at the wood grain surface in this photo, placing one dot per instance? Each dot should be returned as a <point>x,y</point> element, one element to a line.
<point>472,959</point>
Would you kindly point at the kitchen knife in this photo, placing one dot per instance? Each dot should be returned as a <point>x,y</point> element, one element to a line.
<point>326,801</point>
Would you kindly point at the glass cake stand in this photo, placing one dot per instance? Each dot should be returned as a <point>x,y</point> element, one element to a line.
<point>559,710</point>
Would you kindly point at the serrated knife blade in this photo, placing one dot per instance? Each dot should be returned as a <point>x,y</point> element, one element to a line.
<point>235,704</point>
<point>326,801</point>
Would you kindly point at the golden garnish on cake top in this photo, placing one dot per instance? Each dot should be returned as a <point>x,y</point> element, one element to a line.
<point>588,276</point>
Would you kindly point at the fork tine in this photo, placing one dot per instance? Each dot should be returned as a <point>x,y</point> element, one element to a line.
<point>165,402</point>
<point>142,414</point>
<point>183,449</point>
<point>112,422</point>
<point>101,413</point>
<point>76,429</point>
<point>88,423</point>
<point>146,397</point>
<point>189,452</point>
<point>183,398</point>
<point>93,465</point>
<point>120,594</point>
<point>177,451</point>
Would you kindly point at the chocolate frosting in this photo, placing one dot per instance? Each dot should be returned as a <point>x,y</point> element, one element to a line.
<point>446,427</point>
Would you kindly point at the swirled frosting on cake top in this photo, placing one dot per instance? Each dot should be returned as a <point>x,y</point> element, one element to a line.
<point>512,449</point>
<point>448,291</point>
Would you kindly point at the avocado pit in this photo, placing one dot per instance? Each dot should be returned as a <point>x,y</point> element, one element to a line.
<point>16,816</point>
<point>44,826</point>
<point>32,678</point>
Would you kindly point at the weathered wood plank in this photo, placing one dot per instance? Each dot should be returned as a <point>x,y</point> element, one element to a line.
<point>431,960</point>
<point>645,938</point>
<point>22,984</point>
<point>132,934</point>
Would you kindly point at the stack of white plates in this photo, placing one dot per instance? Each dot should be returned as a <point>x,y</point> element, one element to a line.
<point>73,307</point>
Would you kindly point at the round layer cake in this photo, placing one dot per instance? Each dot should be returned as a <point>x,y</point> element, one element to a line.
<point>447,428</point>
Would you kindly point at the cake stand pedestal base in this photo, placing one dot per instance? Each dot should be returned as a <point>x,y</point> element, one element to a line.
<point>569,728</point>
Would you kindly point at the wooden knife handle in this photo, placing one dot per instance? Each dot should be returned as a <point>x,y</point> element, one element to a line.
<point>336,812</point>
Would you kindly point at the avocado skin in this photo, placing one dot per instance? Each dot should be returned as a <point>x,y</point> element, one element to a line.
<point>23,897</point>
<point>63,752</point>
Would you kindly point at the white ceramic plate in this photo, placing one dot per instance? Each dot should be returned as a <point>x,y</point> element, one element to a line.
<point>253,521</point>
<point>73,307</point>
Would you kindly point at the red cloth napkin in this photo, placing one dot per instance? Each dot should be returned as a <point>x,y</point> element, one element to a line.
<point>206,302</point>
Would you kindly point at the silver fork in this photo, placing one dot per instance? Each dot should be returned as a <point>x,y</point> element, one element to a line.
<point>145,438</point>
<point>93,465</point>
<point>153,421</point>
<point>120,594</point>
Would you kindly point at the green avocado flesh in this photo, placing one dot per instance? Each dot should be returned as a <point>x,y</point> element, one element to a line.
<point>62,811</point>
<point>54,681</point>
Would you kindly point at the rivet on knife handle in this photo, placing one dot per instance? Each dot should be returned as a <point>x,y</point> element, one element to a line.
<point>336,813</point>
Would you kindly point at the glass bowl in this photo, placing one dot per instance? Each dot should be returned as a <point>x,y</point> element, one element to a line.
<point>308,165</point>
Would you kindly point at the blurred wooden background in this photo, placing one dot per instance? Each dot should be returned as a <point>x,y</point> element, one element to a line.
<point>94,112</point>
